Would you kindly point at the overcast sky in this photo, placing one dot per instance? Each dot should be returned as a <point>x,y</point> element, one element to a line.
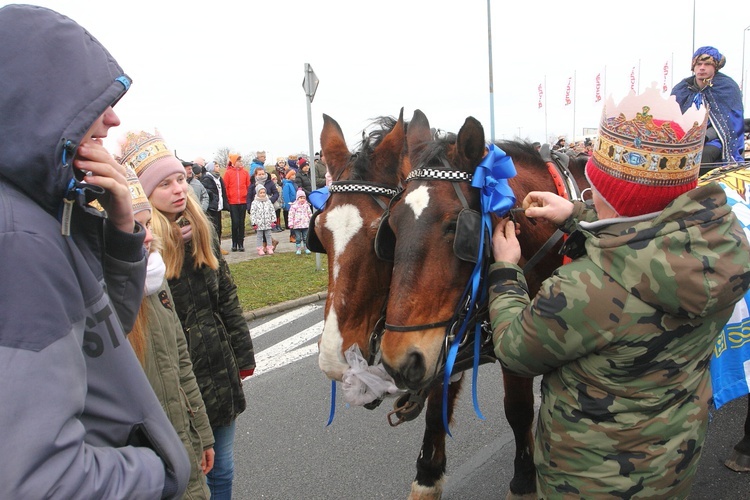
<point>219,73</point>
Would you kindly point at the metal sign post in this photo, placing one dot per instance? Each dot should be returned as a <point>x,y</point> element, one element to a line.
<point>310,84</point>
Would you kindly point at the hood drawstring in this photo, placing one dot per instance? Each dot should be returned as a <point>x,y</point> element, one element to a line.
<point>67,207</point>
<point>68,200</point>
<point>67,149</point>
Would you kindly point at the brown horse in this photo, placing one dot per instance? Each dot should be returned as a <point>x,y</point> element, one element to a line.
<point>429,278</point>
<point>359,280</point>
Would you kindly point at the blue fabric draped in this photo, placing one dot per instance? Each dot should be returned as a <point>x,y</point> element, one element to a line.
<point>730,363</point>
<point>725,109</point>
<point>491,178</point>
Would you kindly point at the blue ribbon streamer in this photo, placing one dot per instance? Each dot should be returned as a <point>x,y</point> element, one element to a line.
<point>333,402</point>
<point>491,178</point>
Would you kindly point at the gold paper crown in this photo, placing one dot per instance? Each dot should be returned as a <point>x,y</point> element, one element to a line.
<point>646,139</point>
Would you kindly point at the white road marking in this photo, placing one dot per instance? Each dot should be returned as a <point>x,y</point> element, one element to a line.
<point>282,320</point>
<point>286,352</point>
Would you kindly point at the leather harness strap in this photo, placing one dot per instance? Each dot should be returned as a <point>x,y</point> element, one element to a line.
<point>554,172</point>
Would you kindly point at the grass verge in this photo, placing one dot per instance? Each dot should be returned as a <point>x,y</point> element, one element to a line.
<point>272,280</point>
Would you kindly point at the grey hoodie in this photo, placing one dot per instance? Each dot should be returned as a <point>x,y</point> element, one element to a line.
<point>79,418</point>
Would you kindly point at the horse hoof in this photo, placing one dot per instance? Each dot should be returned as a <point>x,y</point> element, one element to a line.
<point>738,462</point>
<point>419,492</point>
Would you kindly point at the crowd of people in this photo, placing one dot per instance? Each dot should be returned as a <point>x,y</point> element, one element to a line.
<point>123,347</point>
<point>236,190</point>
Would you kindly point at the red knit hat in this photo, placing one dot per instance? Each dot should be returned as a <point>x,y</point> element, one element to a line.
<point>648,153</point>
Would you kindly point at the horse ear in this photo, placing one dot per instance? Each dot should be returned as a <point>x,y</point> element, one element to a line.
<point>470,144</point>
<point>389,151</point>
<point>418,134</point>
<point>333,146</point>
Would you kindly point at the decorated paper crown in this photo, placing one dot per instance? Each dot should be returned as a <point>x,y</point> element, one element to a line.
<point>151,160</point>
<point>648,152</point>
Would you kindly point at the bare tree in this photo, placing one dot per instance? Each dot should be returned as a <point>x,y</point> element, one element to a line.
<point>221,157</point>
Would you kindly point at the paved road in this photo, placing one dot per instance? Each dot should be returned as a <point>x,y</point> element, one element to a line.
<point>284,449</point>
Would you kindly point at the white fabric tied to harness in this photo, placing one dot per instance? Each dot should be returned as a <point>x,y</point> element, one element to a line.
<point>362,383</point>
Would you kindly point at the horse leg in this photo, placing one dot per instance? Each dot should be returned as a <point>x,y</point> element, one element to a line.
<point>519,410</point>
<point>428,485</point>
<point>739,461</point>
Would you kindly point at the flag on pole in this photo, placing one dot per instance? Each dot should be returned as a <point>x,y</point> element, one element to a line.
<point>666,73</point>
<point>598,93</point>
<point>632,79</point>
<point>567,92</point>
<point>541,94</point>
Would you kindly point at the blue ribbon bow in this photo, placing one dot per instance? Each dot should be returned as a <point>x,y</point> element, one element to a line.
<point>319,197</point>
<point>491,177</point>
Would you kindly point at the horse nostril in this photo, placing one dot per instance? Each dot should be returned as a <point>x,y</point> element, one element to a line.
<point>413,370</point>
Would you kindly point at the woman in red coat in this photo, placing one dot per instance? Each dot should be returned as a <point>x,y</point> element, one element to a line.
<point>237,181</point>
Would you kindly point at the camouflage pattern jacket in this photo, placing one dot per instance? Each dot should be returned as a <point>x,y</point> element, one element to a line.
<point>217,334</point>
<point>623,337</point>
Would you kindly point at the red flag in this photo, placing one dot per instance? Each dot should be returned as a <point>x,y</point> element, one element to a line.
<point>632,79</point>
<point>598,94</point>
<point>541,94</point>
<point>567,91</point>
<point>666,72</point>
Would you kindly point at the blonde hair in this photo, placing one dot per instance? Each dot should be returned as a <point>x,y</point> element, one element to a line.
<point>138,336</point>
<point>174,246</point>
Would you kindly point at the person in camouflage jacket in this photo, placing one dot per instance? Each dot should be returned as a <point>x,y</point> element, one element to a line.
<point>623,337</point>
<point>624,333</point>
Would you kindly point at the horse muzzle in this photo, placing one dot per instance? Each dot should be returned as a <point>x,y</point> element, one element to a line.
<point>410,372</point>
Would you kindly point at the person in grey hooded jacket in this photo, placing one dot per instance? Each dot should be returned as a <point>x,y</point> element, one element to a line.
<point>79,417</point>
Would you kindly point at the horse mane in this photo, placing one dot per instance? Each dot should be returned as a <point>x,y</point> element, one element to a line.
<point>436,149</point>
<point>522,151</point>
<point>360,164</point>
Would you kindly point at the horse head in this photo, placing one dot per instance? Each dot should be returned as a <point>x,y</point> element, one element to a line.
<point>431,272</point>
<point>428,278</point>
<point>358,281</point>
